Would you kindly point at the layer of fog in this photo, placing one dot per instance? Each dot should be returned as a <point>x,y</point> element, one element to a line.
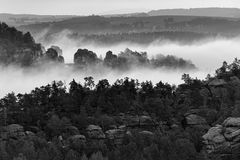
<point>206,56</point>
<point>19,80</point>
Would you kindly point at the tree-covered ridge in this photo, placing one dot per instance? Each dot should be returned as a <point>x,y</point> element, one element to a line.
<point>142,38</point>
<point>142,30</point>
<point>125,120</point>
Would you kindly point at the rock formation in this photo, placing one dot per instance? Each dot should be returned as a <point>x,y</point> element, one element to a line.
<point>223,139</point>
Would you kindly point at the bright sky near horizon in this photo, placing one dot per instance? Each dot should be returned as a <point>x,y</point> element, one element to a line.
<point>88,7</point>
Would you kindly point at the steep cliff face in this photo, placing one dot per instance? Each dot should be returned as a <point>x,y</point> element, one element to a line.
<point>17,48</point>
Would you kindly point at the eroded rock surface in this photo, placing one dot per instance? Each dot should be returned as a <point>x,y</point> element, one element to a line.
<point>223,139</point>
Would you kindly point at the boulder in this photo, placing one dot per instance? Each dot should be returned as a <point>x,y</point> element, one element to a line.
<point>215,140</point>
<point>217,82</point>
<point>193,119</point>
<point>232,122</point>
<point>231,133</point>
<point>77,141</point>
<point>93,127</point>
<point>214,135</point>
<point>146,121</point>
<point>147,133</point>
<point>131,121</point>
<point>15,131</point>
<point>116,135</point>
<point>30,134</point>
<point>80,137</point>
<point>222,139</point>
<point>95,132</point>
<point>137,121</point>
<point>71,130</point>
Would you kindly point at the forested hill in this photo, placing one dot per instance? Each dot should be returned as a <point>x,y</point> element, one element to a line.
<point>143,30</point>
<point>25,19</point>
<point>17,48</point>
<point>128,120</point>
<point>201,12</point>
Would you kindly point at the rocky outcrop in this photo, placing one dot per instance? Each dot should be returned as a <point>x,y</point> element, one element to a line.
<point>54,54</point>
<point>116,135</point>
<point>71,131</point>
<point>15,131</point>
<point>193,119</point>
<point>77,141</point>
<point>223,139</point>
<point>84,57</point>
<point>137,121</point>
<point>95,132</point>
<point>217,83</point>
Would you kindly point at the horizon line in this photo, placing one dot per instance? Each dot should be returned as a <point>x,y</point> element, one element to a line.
<point>102,14</point>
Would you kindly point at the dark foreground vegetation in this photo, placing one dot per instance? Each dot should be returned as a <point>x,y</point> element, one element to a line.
<point>126,120</point>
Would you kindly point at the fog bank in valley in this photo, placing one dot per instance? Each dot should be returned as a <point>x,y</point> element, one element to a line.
<point>24,80</point>
<point>206,56</point>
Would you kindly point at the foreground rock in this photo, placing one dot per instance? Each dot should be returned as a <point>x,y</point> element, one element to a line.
<point>223,139</point>
<point>95,132</point>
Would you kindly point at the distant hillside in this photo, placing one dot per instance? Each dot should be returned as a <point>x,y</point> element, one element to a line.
<point>209,12</point>
<point>137,14</point>
<point>25,19</point>
<point>99,24</point>
<point>143,38</point>
<point>131,26</point>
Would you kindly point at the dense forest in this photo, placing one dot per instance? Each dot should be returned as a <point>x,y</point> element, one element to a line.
<point>126,120</point>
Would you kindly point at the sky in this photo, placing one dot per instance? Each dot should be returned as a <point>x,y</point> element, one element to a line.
<point>88,7</point>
